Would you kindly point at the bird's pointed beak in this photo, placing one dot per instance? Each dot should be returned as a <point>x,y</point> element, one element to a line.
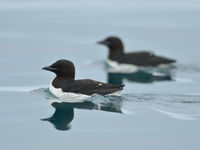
<point>49,68</point>
<point>45,119</point>
<point>103,42</point>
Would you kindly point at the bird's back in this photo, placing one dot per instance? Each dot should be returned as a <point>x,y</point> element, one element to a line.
<point>88,87</point>
<point>142,58</point>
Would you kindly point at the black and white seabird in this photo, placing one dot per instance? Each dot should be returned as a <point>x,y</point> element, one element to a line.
<point>117,58</point>
<point>64,85</point>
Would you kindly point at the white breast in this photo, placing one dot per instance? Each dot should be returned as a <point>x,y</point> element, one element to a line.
<point>115,67</point>
<point>73,97</point>
<point>68,96</point>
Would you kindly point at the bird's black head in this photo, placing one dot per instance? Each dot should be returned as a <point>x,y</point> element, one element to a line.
<point>62,68</point>
<point>114,44</point>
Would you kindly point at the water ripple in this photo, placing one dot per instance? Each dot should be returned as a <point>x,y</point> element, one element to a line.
<point>177,106</point>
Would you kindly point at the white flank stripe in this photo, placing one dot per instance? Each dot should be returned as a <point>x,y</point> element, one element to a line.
<point>72,97</point>
<point>121,68</point>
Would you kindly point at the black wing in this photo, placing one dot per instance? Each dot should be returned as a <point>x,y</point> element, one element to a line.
<point>143,58</point>
<point>89,87</point>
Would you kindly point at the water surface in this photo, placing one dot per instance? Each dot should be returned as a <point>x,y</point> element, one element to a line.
<point>155,113</point>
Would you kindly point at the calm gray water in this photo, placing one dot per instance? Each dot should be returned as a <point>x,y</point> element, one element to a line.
<point>150,114</point>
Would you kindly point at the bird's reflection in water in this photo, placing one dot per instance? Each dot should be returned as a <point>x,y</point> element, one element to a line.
<point>64,112</point>
<point>62,116</point>
<point>139,76</point>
